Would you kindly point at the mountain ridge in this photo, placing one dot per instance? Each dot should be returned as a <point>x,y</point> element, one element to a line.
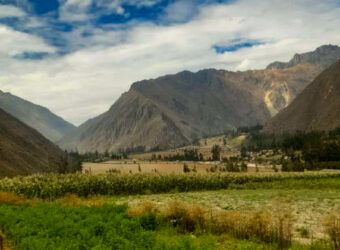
<point>36,116</point>
<point>324,56</point>
<point>191,105</point>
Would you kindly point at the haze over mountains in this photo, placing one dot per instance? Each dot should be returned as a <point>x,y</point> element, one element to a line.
<point>316,108</point>
<point>23,150</point>
<point>173,110</point>
<point>43,120</point>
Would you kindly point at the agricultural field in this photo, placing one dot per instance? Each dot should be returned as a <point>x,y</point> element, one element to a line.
<point>161,167</point>
<point>171,211</point>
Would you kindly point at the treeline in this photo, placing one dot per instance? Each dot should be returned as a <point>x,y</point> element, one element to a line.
<point>319,150</point>
<point>70,163</point>
<point>191,155</point>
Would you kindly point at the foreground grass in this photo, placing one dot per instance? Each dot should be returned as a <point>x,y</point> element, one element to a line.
<point>59,227</point>
<point>52,226</point>
<point>52,186</point>
<point>103,222</point>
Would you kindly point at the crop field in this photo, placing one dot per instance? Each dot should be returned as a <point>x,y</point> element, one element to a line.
<point>51,186</point>
<point>161,167</point>
<point>152,211</point>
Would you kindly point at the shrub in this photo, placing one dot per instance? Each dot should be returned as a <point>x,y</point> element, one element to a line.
<point>186,169</point>
<point>149,221</point>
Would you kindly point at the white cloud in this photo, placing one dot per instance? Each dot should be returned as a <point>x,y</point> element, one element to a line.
<point>14,42</point>
<point>85,83</point>
<point>180,11</point>
<point>10,11</point>
<point>74,10</point>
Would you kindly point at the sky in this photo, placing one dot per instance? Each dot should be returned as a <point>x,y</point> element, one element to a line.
<point>76,57</point>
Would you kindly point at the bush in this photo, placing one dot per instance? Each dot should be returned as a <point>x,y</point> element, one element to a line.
<point>149,221</point>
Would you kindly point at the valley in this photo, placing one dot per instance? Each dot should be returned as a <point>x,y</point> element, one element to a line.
<point>212,159</point>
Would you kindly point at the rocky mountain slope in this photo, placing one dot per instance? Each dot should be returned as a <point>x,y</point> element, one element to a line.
<point>174,109</point>
<point>23,150</point>
<point>322,57</point>
<point>316,108</point>
<point>50,125</point>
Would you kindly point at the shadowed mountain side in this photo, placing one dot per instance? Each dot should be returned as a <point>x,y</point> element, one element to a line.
<point>43,120</point>
<point>23,150</point>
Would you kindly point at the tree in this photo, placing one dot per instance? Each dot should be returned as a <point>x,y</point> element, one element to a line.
<point>186,169</point>
<point>216,153</point>
<point>244,167</point>
<point>243,152</point>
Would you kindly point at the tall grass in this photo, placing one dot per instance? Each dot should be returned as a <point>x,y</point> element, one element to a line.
<point>52,186</point>
<point>271,226</point>
<point>332,225</point>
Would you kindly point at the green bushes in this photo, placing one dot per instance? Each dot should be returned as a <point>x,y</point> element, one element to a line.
<point>52,186</point>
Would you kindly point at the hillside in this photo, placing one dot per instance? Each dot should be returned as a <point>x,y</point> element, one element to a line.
<point>175,109</point>
<point>23,150</point>
<point>316,108</point>
<point>43,120</point>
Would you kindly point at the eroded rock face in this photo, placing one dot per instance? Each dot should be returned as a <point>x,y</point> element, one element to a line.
<point>316,108</point>
<point>174,109</point>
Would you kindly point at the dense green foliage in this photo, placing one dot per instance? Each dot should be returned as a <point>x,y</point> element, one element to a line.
<point>45,227</point>
<point>52,186</point>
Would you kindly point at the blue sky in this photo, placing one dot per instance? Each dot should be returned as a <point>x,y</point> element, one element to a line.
<point>77,57</point>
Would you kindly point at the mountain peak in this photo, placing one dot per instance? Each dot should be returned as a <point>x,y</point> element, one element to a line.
<point>323,56</point>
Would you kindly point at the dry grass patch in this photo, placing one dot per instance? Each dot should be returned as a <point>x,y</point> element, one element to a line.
<point>75,200</point>
<point>146,207</point>
<point>272,225</point>
<point>332,226</point>
<point>9,198</point>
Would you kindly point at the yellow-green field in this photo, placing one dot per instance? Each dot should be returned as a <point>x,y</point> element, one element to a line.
<point>161,167</point>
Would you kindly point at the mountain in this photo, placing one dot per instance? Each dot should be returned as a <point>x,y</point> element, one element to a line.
<point>316,108</point>
<point>23,150</point>
<point>50,125</point>
<point>322,57</point>
<point>175,109</point>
